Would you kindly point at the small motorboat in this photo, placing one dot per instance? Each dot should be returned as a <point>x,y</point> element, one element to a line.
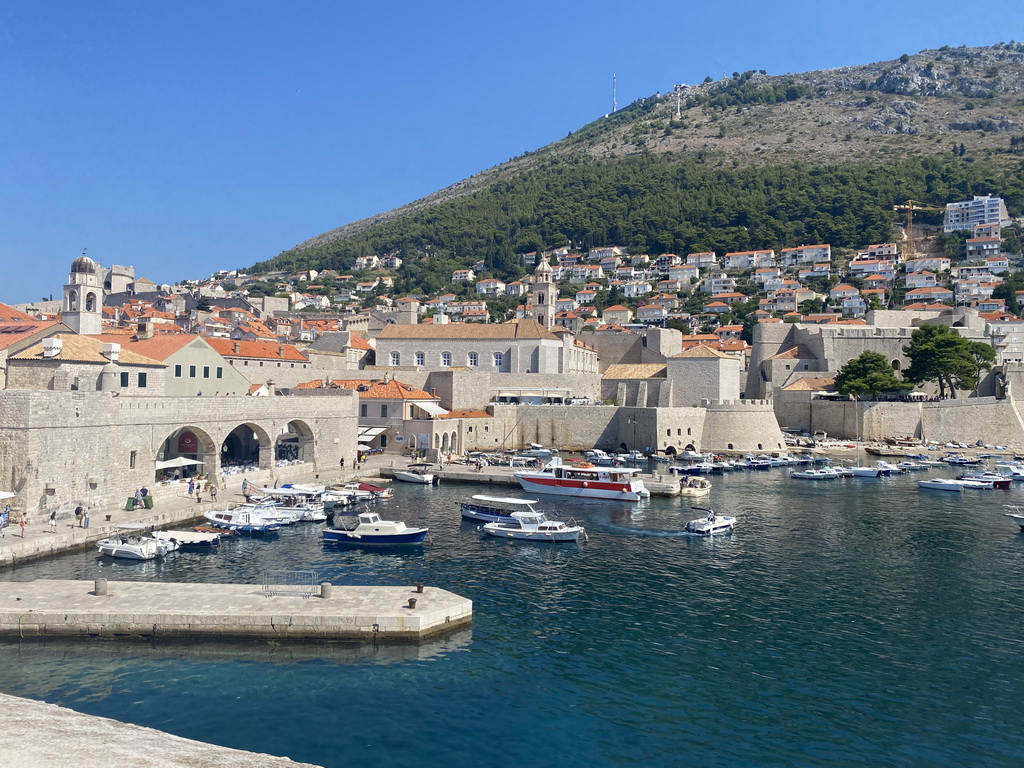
<point>911,466</point>
<point>417,473</point>
<point>190,540</point>
<point>129,543</point>
<point>694,486</point>
<point>368,528</point>
<point>817,473</point>
<point>533,526</point>
<point>941,484</point>
<point>1015,513</point>
<point>493,509</point>
<point>990,479</point>
<point>244,519</point>
<point>711,524</point>
<point>375,491</point>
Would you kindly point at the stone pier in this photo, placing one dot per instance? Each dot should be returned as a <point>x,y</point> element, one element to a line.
<point>155,609</point>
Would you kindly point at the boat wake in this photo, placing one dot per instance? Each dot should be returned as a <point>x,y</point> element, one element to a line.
<point>647,532</point>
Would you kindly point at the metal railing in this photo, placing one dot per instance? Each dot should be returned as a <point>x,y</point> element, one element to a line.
<point>301,583</point>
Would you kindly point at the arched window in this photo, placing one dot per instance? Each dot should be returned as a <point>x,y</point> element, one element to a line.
<point>396,358</point>
<point>498,359</point>
<point>446,359</point>
<point>73,301</point>
<point>419,358</point>
<point>895,365</point>
<point>90,302</point>
<point>473,359</point>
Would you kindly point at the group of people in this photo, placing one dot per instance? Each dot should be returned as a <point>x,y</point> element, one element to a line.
<point>199,488</point>
<point>83,513</point>
<point>140,496</point>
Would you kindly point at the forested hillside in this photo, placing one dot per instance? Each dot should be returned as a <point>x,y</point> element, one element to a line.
<point>751,161</point>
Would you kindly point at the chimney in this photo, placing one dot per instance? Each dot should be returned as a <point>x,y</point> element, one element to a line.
<point>145,331</point>
<point>280,350</point>
<point>271,387</point>
<point>52,347</point>
<point>112,352</point>
<point>238,348</point>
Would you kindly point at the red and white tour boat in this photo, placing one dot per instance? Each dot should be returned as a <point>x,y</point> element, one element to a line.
<point>584,479</point>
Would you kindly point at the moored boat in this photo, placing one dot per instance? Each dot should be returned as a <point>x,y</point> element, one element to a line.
<point>492,509</point>
<point>368,528</point>
<point>245,519</point>
<point>989,479</point>
<point>941,484</point>
<point>533,526</point>
<point>585,480</point>
<point>417,473</point>
<point>1015,513</point>
<point>694,486</point>
<point>818,473</point>
<point>128,543</point>
<point>190,540</point>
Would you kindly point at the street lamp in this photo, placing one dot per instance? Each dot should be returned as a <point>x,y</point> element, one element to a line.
<point>632,420</point>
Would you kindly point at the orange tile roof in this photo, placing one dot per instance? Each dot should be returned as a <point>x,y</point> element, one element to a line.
<point>265,350</point>
<point>376,389</point>
<point>158,348</point>
<point>10,314</point>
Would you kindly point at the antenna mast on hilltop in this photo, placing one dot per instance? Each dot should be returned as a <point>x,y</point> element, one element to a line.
<point>614,107</point>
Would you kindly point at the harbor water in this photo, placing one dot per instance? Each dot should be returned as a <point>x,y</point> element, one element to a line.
<point>845,622</point>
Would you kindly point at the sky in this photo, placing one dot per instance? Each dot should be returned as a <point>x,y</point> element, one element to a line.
<point>187,137</point>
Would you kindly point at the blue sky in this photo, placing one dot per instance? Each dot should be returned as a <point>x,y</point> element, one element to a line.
<point>188,137</point>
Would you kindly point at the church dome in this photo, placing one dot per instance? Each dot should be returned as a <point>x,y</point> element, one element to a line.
<point>83,265</point>
<point>544,268</point>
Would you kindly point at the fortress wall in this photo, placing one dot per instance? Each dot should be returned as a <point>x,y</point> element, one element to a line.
<point>57,448</point>
<point>570,427</point>
<point>742,426</point>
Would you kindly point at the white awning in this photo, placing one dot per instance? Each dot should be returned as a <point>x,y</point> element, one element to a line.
<point>432,408</point>
<point>366,434</point>
<point>179,461</point>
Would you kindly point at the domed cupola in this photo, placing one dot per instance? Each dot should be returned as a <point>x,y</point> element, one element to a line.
<point>83,265</point>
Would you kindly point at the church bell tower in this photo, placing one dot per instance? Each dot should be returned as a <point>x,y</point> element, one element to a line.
<point>82,310</point>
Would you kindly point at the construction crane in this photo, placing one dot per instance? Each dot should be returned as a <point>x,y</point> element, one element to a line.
<point>910,206</point>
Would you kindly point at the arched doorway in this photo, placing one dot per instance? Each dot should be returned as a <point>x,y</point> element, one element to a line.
<point>191,451</point>
<point>295,443</point>
<point>670,450</point>
<point>247,445</point>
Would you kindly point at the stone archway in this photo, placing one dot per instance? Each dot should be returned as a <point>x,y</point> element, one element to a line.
<point>246,445</point>
<point>453,444</point>
<point>671,451</point>
<point>190,443</point>
<point>444,443</point>
<point>295,443</point>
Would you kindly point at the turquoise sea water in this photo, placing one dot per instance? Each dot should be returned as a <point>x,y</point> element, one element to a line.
<point>849,622</point>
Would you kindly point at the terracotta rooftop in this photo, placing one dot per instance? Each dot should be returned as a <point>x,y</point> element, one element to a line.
<point>812,384</point>
<point>636,371</point>
<point>702,350</point>
<point>799,352</point>
<point>376,389</point>
<point>158,348</point>
<point>85,349</point>
<point>265,350</point>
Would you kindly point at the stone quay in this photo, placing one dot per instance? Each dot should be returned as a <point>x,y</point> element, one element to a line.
<point>65,608</point>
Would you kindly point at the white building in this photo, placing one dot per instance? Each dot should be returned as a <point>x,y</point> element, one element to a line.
<point>967,214</point>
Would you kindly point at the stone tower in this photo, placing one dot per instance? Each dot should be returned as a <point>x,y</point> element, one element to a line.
<point>543,294</point>
<point>82,310</point>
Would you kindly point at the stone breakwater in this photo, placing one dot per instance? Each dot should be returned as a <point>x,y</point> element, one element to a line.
<point>153,609</point>
<point>40,735</point>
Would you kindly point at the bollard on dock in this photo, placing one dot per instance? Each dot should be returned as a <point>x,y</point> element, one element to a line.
<point>412,602</point>
<point>325,590</point>
<point>100,587</point>
<point>419,588</point>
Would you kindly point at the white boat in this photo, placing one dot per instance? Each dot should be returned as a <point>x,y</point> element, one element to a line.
<point>189,539</point>
<point>417,473</point>
<point>820,473</point>
<point>533,526</point>
<point>585,480</point>
<point>912,466</point>
<point>865,471</point>
<point>247,518</point>
<point>941,484</point>
<point>368,528</point>
<point>1013,470</point>
<point>987,479</point>
<point>694,486</point>
<point>1016,514</point>
<point>302,502</point>
<point>493,509</point>
<point>129,543</point>
<point>711,524</point>
<point>885,468</point>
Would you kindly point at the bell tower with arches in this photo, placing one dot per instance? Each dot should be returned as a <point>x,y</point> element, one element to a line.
<point>543,294</point>
<point>82,310</point>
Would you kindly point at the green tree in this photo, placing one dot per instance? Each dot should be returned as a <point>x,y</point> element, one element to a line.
<point>869,374</point>
<point>938,353</point>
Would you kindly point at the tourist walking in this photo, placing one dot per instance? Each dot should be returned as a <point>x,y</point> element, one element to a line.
<point>23,523</point>
<point>245,490</point>
<point>213,494</point>
<point>191,487</point>
<point>199,494</point>
<point>85,517</point>
<point>52,523</point>
<point>78,514</point>
<point>138,498</point>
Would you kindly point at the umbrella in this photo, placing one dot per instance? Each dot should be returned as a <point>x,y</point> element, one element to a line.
<point>179,461</point>
<point>7,495</point>
<point>364,446</point>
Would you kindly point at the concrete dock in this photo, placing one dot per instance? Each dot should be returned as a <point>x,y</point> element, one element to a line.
<point>155,609</point>
<point>39,735</point>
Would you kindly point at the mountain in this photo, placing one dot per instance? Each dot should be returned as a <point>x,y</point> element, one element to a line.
<point>749,161</point>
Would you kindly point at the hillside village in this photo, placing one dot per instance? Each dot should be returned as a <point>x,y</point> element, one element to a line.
<point>707,351</point>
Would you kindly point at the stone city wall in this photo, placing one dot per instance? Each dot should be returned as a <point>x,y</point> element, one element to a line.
<point>59,448</point>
